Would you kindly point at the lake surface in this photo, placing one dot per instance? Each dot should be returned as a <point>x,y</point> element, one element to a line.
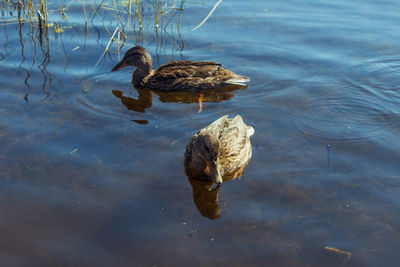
<point>91,169</point>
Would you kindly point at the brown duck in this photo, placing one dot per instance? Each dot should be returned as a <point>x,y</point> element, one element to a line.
<point>219,151</point>
<point>177,75</point>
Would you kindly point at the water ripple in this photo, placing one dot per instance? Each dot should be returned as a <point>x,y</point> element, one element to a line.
<point>363,103</point>
<point>375,77</point>
<point>344,119</point>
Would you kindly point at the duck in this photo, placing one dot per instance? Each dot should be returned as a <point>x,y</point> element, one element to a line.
<point>180,75</point>
<point>219,151</point>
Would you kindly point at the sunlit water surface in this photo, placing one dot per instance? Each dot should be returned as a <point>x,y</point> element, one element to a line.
<point>91,170</point>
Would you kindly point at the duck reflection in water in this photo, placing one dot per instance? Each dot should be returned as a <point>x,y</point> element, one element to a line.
<point>217,153</point>
<point>145,97</point>
<point>205,194</point>
<point>205,197</point>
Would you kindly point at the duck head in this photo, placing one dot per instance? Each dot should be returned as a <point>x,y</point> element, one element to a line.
<point>213,172</point>
<point>136,56</point>
<point>206,150</point>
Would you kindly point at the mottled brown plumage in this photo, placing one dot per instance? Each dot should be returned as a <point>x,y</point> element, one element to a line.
<point>176,75</point>
<point>219,151</point>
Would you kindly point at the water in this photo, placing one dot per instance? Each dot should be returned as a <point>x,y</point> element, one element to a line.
<point>91,170</point>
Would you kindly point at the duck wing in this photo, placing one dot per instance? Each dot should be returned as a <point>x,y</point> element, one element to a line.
<point>234,144</point>
<point>184,75</point>
<point>183,69</point>
<point>217,127</point>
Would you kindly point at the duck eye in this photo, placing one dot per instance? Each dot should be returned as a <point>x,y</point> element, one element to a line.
<point>207,148</point>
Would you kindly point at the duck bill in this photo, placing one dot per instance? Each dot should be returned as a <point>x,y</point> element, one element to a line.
<point>215,174</point>
<point>119,66</point>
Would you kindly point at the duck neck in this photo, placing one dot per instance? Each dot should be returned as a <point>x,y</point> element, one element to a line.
<point>142,71</point>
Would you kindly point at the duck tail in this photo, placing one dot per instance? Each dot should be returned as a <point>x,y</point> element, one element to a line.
<point>238,79</point>
<point>250,131</point>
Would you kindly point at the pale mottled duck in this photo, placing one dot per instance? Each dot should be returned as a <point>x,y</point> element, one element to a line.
<point>219,151</point>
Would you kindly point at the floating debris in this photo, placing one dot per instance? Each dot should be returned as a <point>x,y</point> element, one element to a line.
<point>85,90</point>
<point>57,28</point>
<point>141,121</point>
<point>339,251</point>
<point>176,141</point>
